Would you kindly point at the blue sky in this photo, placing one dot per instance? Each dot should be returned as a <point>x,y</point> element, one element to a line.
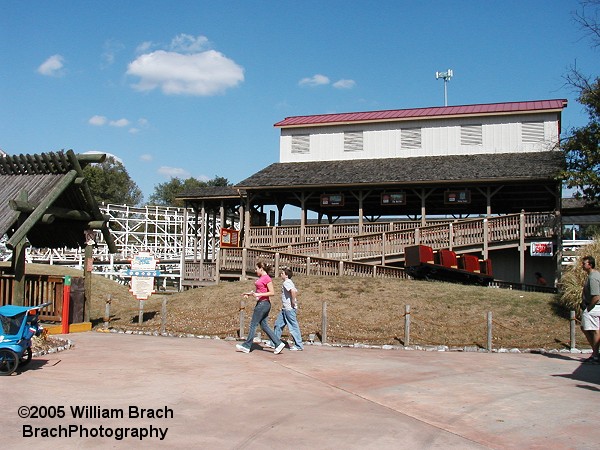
<point>193,88</point>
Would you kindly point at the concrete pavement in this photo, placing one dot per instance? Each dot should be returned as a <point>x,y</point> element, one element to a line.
<point>198,393</point>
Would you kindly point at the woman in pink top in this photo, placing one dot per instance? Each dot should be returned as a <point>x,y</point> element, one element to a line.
<point>264,290</point>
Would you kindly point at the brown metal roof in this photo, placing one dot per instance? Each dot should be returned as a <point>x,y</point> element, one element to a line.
<point>45,198</point>
<point>429,113</point>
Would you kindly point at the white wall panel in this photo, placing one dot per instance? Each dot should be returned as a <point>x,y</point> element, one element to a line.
<point>439,137</point>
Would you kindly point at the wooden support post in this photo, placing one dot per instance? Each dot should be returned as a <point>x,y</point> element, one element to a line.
<point>572,329</point>
<point>242,316</point>
<point>163,316</point>
<point>522,247</point>
<point>406,325</point>
<point>489,331</point>
<point>107,311</point>
<point>87,282</point>
<point>141,312</point>
<point>244,262</point>
<point>324,324</point>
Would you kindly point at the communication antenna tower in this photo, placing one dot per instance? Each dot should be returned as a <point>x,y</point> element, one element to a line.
<point>446,77</point>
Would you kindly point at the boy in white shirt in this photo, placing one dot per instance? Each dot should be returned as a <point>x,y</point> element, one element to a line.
<point>287,315</point>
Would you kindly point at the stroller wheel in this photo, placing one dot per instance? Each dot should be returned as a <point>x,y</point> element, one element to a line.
<point>26,357</point>
<point>8,361</point>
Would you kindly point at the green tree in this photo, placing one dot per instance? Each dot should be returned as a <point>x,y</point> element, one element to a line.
<point>164,193</point>
<point>110,183</point>
<point>582,145</point>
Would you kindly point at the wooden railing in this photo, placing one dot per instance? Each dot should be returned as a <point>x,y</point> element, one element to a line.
<point>313,250</point>
<point>243,260</point>
<point>38,289</point>
<point>264,237</point>
<point>452,235</point>
<point>199,270</point>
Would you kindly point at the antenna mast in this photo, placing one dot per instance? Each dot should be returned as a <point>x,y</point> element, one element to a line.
<point>446,77</point>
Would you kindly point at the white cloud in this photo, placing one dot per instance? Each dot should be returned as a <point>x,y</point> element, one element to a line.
<point>141,123</point>
<point>52,67</point>
<point>173,172</point>
<point>344,84</point>
<point>98,121</point>
<point>316,80</point>
<point>146,157</point>
<point>180,72</point>
<point>143,47</point>
<point>111,48</point>
<point>185,43</point>
<point>119,123</point>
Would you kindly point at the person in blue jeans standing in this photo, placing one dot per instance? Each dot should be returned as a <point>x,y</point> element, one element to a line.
<point>262,293</point>
<point>287,315</point>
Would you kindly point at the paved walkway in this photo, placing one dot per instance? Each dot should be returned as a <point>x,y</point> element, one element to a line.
<point>197,393</point>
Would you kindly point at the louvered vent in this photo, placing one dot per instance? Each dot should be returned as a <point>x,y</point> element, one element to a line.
<point>410,138</point>
<point>353,141</point>
<point>301,143</point>
<point>471,135</point>
<point>532,131</point>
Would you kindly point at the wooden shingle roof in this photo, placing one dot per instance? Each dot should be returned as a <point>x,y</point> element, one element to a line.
<point>210,192</point>
<point>44,197</point>
<point>404,171</point>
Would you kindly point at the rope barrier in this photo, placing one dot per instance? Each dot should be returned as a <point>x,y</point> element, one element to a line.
<point>367,336</point>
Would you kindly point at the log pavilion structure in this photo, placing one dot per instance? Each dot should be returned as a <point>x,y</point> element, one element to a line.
<point>46,202</point>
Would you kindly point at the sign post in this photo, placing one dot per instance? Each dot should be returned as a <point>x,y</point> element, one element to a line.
<point>142,273</point>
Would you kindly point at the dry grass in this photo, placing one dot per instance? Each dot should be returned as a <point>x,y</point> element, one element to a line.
<point>574,277</point>
<point>364,310</point>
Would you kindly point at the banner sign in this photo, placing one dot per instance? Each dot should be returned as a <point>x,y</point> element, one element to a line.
<point>454,197</point>
<point>542,249</point>
<point>332,200</point>
<point>393,198</point>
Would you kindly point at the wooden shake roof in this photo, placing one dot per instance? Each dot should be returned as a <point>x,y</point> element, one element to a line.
<point>44,197</point>
<point>499,167</point>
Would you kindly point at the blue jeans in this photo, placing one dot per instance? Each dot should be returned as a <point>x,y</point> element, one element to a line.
<point>288,317</point>
<point>259,317</point>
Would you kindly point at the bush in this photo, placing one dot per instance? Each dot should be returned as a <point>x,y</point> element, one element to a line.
<point>574,277</point>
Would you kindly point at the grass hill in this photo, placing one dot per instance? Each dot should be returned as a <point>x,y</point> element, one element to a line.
<point>359,310</point>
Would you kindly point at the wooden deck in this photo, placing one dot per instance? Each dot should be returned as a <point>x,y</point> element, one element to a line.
<point>347,249</point>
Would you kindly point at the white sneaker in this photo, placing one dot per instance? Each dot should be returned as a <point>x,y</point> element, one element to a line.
<point>279,348</point>
<point>295,349</point>
<point>269,344</point>
<point>241,348</point>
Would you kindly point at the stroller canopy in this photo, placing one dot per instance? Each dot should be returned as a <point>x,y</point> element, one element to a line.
<point>12,310</point>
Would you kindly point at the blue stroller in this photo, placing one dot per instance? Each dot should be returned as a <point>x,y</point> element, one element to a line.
<point>18,324</point>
